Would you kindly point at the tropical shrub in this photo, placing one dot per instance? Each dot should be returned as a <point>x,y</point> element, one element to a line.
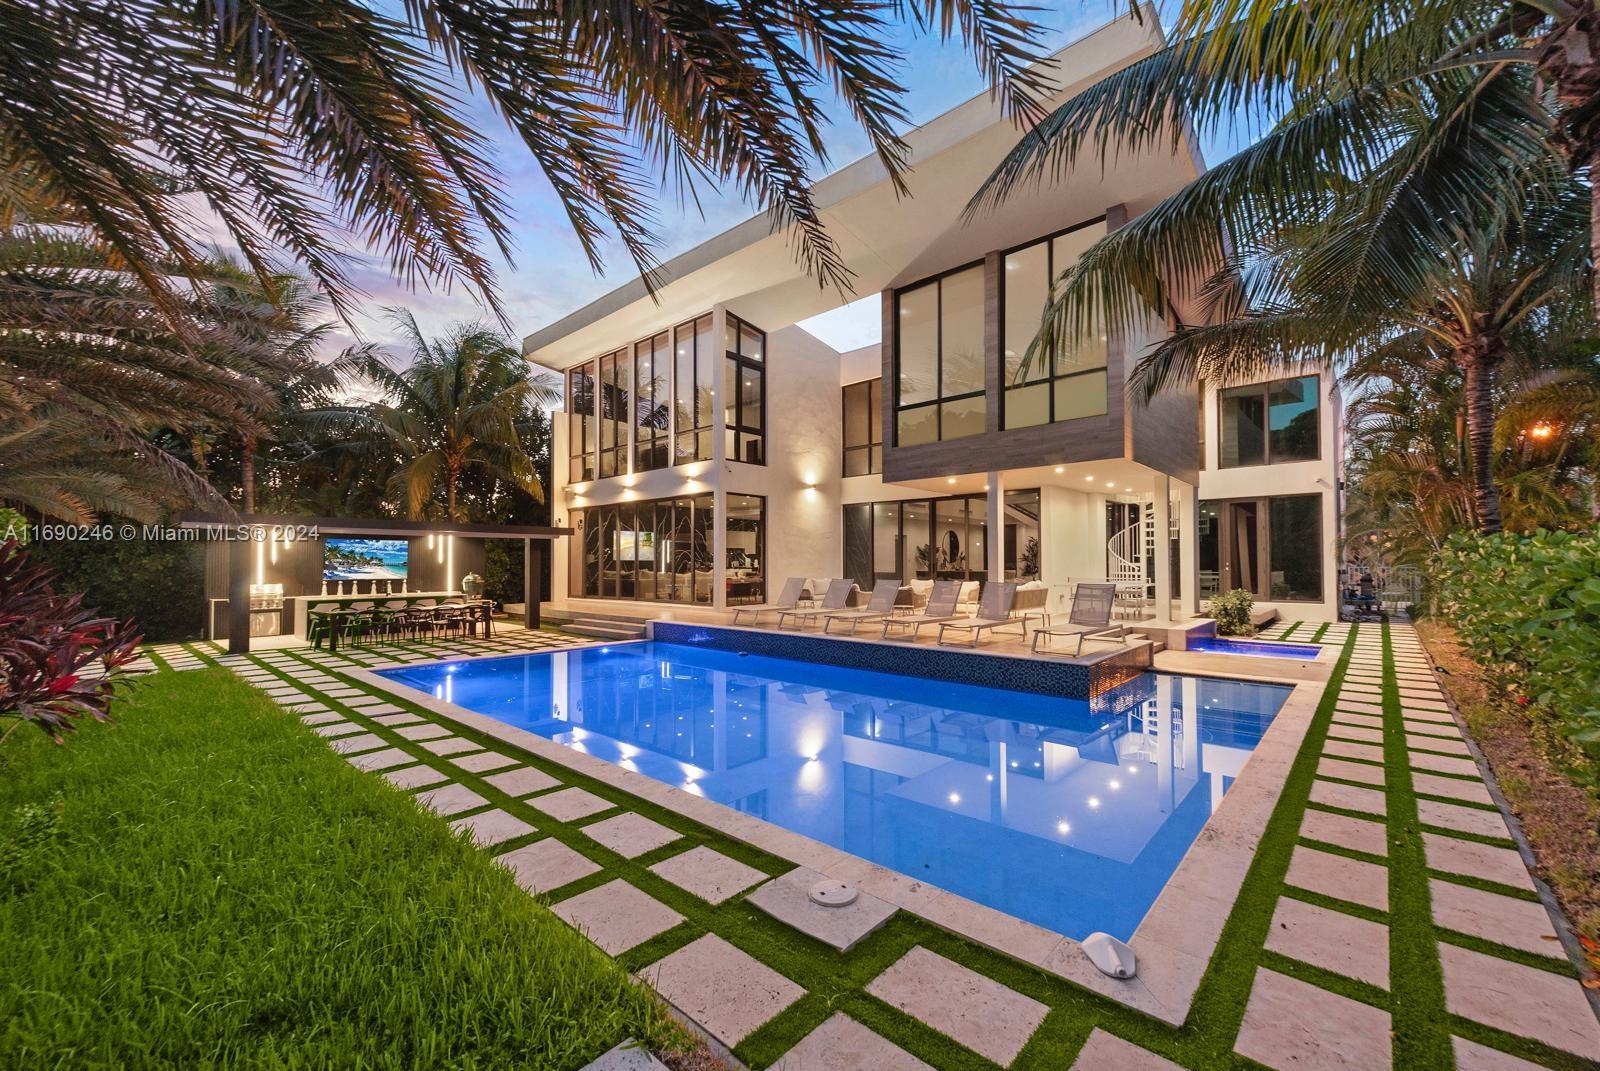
<point>1528,607</point>
<point>58,661</point>
<point>1232,612</point>
<point>160,585</point>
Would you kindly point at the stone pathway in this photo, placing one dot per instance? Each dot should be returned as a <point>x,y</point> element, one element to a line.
<point>1399,848</point>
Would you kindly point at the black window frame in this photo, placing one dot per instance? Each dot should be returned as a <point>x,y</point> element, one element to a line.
<point>736,363</point>
<point>1264,390</point>
<point>582,463</point>
<point>873,446</point>
<point>652,415</point>
<point>695,432</point>
<point>939,400</point>
<point>1049,379</point>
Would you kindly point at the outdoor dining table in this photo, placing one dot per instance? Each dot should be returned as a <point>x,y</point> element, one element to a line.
<point>478,610</point>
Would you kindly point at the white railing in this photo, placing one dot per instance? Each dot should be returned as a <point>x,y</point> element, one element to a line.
<point>1125,554</point>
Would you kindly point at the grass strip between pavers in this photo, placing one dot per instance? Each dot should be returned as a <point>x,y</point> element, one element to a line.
<point>836,982</point>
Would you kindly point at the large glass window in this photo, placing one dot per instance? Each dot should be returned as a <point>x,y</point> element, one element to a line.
<point>747,549</point>
<point>939,539</point>
<point>694,358</point>
<point>649,551</point>
<point>614,416</point>
<point>745,392</point>
<point>651,373</point>
<point>863,427</point>
<point>1069,382</point>
<point>581,422</point>
<point>939,359</point>
<point>1295,525</point>
<point>1269,423</point>
<point>1271,547</point>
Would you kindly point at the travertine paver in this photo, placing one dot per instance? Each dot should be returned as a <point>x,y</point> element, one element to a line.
<point>616,916</point>
<point>450,745</point>
<point>1523,924</point>
<point>493,827</point>
<point>570,804</point>
<point>320,717</point>
<point>842,1044</point>
<point>1451,788</point>
<point>425,731</point>
<point>1470,1056</point>
<point>628,1056</point>
<point>1359,721</point>
<point>1357,706</point>
<point>522,782</point>
<point>974,1011</point>
<point>788,900</point>
<point>1455,856</point>
<point>546,864</point>
<point>1349,797</point>
<point>728,992</point>
<point>1448,764</point>
<point>1353,732</point>
<point>387,759</point>
<point>402,718</point>
<point>1107,1052</point>
<point>1290,1024</point>
<point>1444,745</point>
<point>1345,749</point>
<point>1351,771</point>
<point>487,760</point>
<point>333,729</point>
<point>350,745</point>
<point>631,835</point>
<point>707,873</point>
<point>1339,876</point>
<point>414,777</point>
<point>1521,1000</point>
<point>1354,833</point>
<point>450,799</point>
<point>1462,819</point>
<point>1331,940</point>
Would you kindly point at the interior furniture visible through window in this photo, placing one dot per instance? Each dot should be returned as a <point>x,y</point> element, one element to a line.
<point>939,539</point>
<point>1269,546</point>
<point>745,391</point>
<point>581,422</point>
<point>746,576</point>
<point>694,361</point>
<point>650,551</point>
<point>863,427</point>
<point>939,358</point>
<point>1069,382</point>
<point>1269,423</point>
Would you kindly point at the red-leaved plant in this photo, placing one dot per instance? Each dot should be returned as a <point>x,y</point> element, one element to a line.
<point>58,661</point>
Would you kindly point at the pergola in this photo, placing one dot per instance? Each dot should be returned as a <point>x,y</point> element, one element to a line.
<point>244,532</point>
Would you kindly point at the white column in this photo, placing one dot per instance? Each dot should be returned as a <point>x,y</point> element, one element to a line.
<point>1189,549</point>
<point>719,456</point>
<point>994,555</point>
<point>1162,574</point>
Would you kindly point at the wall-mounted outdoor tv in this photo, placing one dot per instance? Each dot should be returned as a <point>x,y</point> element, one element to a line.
<point>365,559</point>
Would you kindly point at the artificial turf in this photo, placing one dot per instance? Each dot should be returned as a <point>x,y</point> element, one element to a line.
<point>223,890</point>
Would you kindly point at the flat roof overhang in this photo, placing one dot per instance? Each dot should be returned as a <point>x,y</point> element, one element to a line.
<point>371,526</point>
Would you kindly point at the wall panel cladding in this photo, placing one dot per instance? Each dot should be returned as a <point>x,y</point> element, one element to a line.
<point>1067,680</point>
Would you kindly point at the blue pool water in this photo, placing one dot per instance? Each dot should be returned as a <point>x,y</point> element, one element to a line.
<point>1069,813</point>
<point>1261,648</point>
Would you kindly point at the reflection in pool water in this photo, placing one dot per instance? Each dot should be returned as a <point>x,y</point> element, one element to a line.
<point>1068,813</point>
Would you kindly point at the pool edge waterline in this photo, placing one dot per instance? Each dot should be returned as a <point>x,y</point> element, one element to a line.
<point>1174,941</point>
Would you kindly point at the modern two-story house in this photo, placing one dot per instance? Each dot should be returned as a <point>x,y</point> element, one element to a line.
<point>711,446</point>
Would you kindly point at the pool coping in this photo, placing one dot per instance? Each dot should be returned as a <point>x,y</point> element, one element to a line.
<point>1174,942</point>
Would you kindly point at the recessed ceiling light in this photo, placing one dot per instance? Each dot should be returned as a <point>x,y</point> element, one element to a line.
<point>951,480</point>
<point>1089,478</point>
<point>1060,469</point>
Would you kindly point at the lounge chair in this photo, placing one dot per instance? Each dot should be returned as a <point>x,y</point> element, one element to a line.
<point>837,596</point>
<point>879,607</point>
<point>1090,617</point>
<point>787,599</point>
<point>941,607</point>
<point>994,611</point>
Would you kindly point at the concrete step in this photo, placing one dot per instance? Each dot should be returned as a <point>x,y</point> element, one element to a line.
<point>604,629</point>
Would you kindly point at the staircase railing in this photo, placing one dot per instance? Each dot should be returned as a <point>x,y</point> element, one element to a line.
<point>1125,554</point>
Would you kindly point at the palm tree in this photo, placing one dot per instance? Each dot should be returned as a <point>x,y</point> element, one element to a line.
<point>1394,173</point>
<point>296,123</point>
<point>87,355</point>
<point>461,404</point>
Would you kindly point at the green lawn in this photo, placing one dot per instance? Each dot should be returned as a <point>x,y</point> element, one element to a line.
<point>221,889</point>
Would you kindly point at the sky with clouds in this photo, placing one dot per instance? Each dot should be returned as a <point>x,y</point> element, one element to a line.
<point>548,275</point>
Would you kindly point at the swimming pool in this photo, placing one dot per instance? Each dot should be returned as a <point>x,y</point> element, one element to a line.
<point>1261,648</point>
<point>1071,814</point>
